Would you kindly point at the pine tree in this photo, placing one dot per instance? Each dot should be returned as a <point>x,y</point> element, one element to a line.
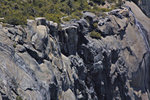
<point>70,6</point>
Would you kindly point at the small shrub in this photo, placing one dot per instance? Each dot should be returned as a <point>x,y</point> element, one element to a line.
<point>14,45</point>
<point>19,98</point>
<point>75,15</point>
<point>95,25</point>
<point>99,1</point>
<point>96,35</point>
<point>98,10</point>
<point>105,9</point>
<point>119,3</point>
<point>67,19</point>
<point>54,17</point>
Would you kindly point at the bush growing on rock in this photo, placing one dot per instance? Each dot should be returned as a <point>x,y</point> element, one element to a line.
<point>18,98</point>
<point>95,25</point>
<point>95,34</point>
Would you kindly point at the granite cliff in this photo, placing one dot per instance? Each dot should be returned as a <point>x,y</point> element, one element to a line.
<point>49,61</point>
<point>145,6</point>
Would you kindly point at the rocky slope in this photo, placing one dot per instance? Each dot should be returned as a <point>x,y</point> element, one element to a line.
<point>145,6</point>
<point>47,61</point>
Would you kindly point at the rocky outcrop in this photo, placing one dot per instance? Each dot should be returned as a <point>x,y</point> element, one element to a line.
<point>42,61</point>
<point>144,4</point>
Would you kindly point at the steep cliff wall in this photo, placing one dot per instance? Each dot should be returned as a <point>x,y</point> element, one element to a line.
<point>47,61</point>
<point>145,6</point>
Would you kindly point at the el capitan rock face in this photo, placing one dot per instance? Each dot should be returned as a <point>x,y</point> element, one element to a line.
<point>43,62</point>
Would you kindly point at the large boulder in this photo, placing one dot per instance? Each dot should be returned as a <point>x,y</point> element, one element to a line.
<point>40,38</point>
<point>90,17</point>
<point>68,95</point>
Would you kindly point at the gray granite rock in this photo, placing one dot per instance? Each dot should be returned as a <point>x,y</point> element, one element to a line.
<point>65,63</point>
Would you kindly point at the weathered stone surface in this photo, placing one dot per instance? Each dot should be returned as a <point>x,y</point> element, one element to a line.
<point>44,62</point>
<point>91,17</point>
<point>1,26</point>
<point>144,4</point>
<point>68,95</point>
<point>69,40</point>
<point>115,23</point>
<point>40,21</point>
<point>84,26</point>
<point>40,38</point>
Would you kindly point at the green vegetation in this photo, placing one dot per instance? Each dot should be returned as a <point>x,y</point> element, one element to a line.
<point>75,15</point>
<point>99,1</point>
<point>18,98</point>
<point>95,25</point>
<point>96,35</point>
<point>119,3</point>
<point>17,11</point>
<point>14,45</point>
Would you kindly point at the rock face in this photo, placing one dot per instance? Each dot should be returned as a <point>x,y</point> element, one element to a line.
<point>42,62</point>
<point>145,6</point>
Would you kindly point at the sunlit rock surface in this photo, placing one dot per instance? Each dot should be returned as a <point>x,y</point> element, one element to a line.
<point>43,62</point>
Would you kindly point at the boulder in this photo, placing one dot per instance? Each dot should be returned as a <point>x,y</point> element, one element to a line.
<point>30,22</point>
<point>40,39</point>
<point>40,20</point>
<point>102,21</point>
<point>84,26</point>
<point>91,17</point>
<point>68,95</point>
